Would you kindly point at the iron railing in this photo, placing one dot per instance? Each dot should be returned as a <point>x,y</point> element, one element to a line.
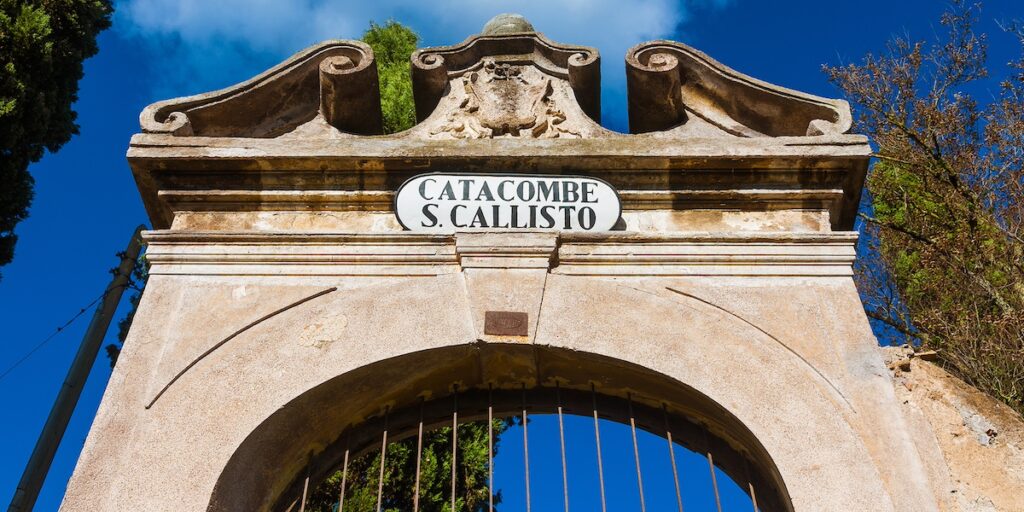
<point>732,477</point>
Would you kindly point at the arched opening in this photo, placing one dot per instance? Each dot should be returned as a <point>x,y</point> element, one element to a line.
<point>409,404</point>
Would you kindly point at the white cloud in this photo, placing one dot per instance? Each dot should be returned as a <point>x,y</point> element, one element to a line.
<point>213,43</point>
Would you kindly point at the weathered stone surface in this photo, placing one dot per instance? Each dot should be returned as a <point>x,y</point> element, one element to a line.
<point>506,23</point>
<point>282,98</point>
<point>679,91</point>
<point>508,100</point>
<point>523,75</point>
<point>509,81</point>
<point>973,446</point>
<point>788,175</point>
<point>349,91</point>
<point>286,304</point>
<point>781,352</point>
<point>643,221</point>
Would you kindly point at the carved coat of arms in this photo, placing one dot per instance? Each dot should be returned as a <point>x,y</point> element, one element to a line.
<point>505,100</point>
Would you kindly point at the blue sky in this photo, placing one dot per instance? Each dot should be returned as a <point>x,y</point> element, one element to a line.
<point>86,203</point>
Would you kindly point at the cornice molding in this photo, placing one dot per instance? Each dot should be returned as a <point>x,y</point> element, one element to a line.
<point>410,255</point>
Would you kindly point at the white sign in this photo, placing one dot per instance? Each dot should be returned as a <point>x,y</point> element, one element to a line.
<point>448,202</point>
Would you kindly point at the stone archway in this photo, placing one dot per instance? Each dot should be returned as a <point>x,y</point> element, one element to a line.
<point>286,302</point>
<point>257,474</point>
<point>274,379</point>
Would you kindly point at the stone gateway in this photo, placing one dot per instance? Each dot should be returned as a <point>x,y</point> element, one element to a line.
<point>689,280</point>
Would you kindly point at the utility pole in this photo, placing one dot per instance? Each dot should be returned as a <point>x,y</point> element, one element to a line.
<point>57,423</point>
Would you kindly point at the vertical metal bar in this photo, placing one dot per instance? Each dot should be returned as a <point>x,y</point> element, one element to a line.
<point>419,457</point>
<point>636,453</point>
<point>714,481</point>
<point>305,492</point>
<point>490,448</point>
<point>383,459</point>
<point>561,442</point>
<point>750,484</point>
<point>672,455</point>
<point>597,439</point>
<point>344,477</point>
<point>455,439</point>
<point>711,466</point>
<point>526,451</point>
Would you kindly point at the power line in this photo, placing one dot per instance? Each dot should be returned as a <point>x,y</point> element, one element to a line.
<point>59,330</point>
<point>67,398</point>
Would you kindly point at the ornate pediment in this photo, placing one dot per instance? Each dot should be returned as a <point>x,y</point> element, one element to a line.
<point>507,99</point>
<point>508,82</point>
<point>679,91</point>
<point>333,84</point>
<point>305,136</point>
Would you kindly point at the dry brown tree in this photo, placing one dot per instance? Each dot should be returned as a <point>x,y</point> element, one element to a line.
<point>942,263</point>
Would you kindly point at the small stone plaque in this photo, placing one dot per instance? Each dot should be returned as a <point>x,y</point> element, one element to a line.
<point>506,323</point>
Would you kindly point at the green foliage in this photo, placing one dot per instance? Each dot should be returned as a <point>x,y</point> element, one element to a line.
<point>139,277</point>
<point>42,46</point>
<point>945,260</point>
<point>393,44</point>
<point>400,475</point>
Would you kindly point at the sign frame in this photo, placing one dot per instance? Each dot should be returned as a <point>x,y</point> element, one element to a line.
<point>398,191</point>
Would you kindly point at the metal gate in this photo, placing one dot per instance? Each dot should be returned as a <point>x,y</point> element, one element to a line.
<point>561,449</point>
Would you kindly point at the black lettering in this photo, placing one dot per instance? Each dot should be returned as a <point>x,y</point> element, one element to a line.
<point>429,215</point>
<point>454,216</point>
<point>501,191</point>
<point>485,190</point>
<point>571,193</point>
<point>545,211</point>
<point>496,218</point>
<point>567,212</point>
<point>515,216</point>
<point>547,191</point>
<point>423,188</point>
<point>447,192</point>
<point>588,190</point>
<point>533,216</point>
<point>587,218</point>
<point>522,193</point>
<point>479,220</point>
<point>465,188</point>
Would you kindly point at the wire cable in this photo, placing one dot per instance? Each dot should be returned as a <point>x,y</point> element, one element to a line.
<point>59,330</point>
